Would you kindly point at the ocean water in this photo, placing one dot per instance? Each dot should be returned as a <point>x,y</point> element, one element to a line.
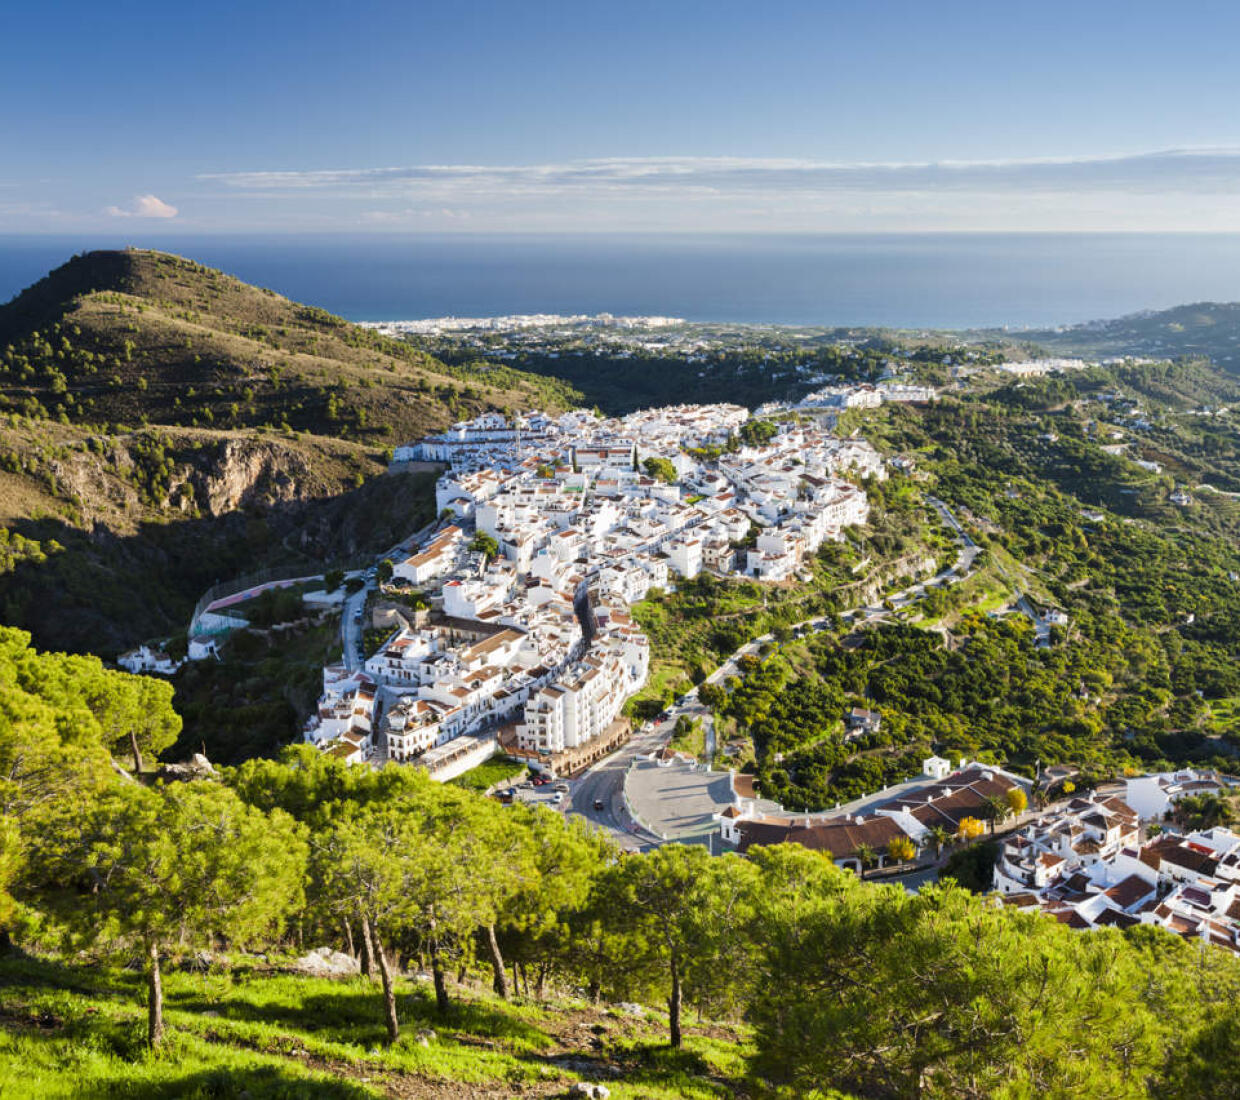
<point>906,280</point>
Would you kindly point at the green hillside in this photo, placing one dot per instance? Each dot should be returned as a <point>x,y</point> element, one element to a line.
<point>155,934</point>
<point>139,336</point>
<point>251,1028</point>
<point>1199,329</point>
<point>164,426</point>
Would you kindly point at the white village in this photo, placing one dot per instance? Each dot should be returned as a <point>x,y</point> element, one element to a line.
<point>550,528</point>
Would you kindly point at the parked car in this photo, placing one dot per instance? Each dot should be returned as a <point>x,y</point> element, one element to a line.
<point>558,798</point>
<point>562,787</point>
<point>598,804</point>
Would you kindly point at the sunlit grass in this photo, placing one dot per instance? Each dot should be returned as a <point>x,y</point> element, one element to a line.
<point>79,1031</point>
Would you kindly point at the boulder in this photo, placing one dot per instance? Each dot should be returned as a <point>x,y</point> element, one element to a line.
<point>324,962</point>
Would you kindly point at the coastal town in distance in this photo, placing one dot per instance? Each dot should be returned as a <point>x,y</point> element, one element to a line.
<point>504,629</point>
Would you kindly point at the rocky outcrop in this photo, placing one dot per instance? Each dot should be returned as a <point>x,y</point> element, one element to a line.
<point>323,962</point>
<point>251,472</point>
<point>197,767</point>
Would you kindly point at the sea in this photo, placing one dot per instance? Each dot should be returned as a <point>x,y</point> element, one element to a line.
<point>961,280</point>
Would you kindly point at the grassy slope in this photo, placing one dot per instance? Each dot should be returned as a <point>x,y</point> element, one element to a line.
<point>75,1032</point>
<point>127,335</point>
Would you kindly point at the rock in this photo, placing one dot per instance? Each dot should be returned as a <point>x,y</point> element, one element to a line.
<point>589,1091</point>
<point>248,471</point>
<point>425,1037</point>
<point>630,1009</point>
<point>197,767</point>
<point>324,962</point>
<point>202,764</point>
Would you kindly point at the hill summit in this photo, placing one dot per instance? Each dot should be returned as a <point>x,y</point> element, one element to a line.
<point>139,336</point>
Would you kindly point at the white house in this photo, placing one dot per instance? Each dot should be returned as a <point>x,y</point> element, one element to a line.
<point>144,659</point>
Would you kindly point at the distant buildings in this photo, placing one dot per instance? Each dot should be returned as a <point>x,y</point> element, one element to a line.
<point>1086,865</point>
<point>144,659</point>
<point>1033,367</point>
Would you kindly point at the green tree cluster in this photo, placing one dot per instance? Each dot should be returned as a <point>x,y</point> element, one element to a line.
<point>861,989</point>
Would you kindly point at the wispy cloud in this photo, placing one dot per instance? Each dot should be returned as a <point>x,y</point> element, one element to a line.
<point>144,206</point>
<point>1189,170</point>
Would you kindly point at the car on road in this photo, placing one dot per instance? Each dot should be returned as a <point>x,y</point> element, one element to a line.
<point>598,805</point>
<point>557,798</point>
<point>562,787</point>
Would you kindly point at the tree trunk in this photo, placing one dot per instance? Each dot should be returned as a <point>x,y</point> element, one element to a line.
<point>154,998</point>
<point>516,985</point>
<point>673,1006</point>
<point>389,993</point>
<point>137,752</point>
<point>497,964</point>
<point>348,938</point>
<point>368,949</point>
<point>441,984</point>
<point>540,983</point>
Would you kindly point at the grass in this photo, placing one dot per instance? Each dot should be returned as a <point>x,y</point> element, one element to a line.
<point>692,741</point>
<point>1223,715</point>
<point>490,773</point>
<point>78,1031</point>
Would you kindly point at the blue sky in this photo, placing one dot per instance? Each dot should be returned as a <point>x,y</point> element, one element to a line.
<point>544,117</point>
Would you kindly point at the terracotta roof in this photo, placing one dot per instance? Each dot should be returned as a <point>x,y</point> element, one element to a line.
<point>1130,891</point>
<point>744,786</point>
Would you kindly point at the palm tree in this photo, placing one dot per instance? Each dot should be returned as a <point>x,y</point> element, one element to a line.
<point>940,837</point>
<point>866,856</point>
<point>995,810</point>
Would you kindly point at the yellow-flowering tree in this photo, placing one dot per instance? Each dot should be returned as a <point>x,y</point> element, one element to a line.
<point>970,828</point>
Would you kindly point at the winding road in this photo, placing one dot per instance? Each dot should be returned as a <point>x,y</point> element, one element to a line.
<point>604,782</point>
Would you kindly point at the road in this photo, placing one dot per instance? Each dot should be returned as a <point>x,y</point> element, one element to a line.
<point>604,782</point>
<point>351,626</point>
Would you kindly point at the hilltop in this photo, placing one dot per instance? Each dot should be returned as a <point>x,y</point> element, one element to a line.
<point>140,336</point>
<point>1199,329</point>
<point>164,425</point>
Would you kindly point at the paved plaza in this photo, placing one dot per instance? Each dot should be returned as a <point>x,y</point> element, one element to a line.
<point>678,800</point>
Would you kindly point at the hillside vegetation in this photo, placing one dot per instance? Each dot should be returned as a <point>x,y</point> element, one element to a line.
<point>164,426</point>
<point>1210,329</point>
<point>139,336</point>
<point>149,927</point>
